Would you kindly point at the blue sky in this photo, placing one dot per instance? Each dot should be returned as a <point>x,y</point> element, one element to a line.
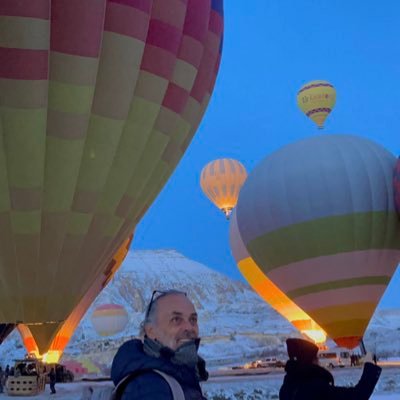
<point>271,48</point>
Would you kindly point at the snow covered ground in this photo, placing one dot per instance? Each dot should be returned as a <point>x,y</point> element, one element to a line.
<point>267,386</point>
<point>244,388</point>
<point>75,392</point>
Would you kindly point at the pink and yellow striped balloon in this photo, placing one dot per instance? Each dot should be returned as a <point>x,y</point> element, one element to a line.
<point>99,100</point>
<point>268,291</point>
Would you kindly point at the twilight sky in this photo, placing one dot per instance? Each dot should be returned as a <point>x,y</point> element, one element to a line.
<point>271,48</point>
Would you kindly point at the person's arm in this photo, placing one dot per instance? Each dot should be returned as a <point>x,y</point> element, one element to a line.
<point>147,386</point>
<point>364,388</point>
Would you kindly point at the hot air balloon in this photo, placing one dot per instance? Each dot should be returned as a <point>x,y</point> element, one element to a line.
<point>109,319</point>
<point>53,352</point>
<point>318,218</point>
<point>221,181</point>
<point>269,292</point>
<point>316,99</point>
<point>99,100</point>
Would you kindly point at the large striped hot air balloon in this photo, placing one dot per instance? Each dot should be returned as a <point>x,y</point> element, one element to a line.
<point>316,99</point>
<point>221,181</point>
<point>267,290</point>
<point>52,349</point>
<point>318,217</point>
<point>99,100</point>
<point>109,319</point>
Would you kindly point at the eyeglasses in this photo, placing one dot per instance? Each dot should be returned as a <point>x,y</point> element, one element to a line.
<point>157,294</point>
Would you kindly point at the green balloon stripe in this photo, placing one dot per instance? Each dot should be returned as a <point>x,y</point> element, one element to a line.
<point>333,285</point>
<point>326,236</point>
<point>341,328</point>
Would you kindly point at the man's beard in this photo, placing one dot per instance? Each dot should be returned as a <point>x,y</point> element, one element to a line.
<point>186,354</point>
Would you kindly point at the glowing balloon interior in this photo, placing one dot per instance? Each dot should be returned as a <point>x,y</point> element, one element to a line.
<point>52,347</point>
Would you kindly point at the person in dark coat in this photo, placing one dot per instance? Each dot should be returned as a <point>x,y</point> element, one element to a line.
<point>7,371</point>
<point>306,380</point>
<point>2,380</point>
<point>53,379</point>
<point>169,344</point>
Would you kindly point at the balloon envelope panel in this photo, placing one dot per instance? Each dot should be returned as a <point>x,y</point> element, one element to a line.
<point>318,218</point>
<point>267,290</point>
<point>51,343</point>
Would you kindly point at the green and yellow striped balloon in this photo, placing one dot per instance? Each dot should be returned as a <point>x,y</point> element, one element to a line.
<point>318,217</point>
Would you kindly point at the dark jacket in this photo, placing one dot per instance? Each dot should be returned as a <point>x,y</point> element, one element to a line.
<point>52,376</point>
<point>149,385</point>
<point>312,382</point>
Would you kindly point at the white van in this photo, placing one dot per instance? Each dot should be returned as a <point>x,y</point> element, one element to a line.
<point>333,358</point>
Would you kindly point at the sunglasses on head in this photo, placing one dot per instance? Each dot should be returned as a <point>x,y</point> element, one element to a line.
<point>157,294</point>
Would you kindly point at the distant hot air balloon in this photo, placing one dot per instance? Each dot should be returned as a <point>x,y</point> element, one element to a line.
<point>318,218</point>
<point>221,181</point>
<point>109,319</point>
<point>99,100</point>
<point>53,352</point>
<point>268,291</point>
<point>316,99</point>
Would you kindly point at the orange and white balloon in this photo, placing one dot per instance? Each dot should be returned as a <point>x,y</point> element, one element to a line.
<point>221,181</point>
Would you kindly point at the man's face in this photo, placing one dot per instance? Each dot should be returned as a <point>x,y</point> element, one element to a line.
<point>175,321</point>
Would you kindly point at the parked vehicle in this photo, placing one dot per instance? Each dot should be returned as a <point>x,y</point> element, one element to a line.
<point>334,358</point>
<point>270,362</point>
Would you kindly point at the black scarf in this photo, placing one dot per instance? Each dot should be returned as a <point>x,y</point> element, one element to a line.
<point>185,355</point>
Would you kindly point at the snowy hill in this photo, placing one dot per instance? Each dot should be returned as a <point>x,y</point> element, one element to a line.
<point>235,324</point>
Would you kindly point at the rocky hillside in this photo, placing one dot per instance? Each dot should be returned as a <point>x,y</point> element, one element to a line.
<point>235,323</point>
